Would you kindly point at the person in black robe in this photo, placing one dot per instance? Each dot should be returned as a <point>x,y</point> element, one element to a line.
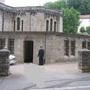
<point>41,56</point>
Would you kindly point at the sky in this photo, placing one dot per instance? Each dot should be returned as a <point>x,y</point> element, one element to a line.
<point>27,2</point>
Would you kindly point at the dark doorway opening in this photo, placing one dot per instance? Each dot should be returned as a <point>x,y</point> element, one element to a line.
<point>28,51</point>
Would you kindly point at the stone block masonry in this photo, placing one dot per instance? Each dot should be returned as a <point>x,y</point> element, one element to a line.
<point>4,62</point>
<point>84,60</point>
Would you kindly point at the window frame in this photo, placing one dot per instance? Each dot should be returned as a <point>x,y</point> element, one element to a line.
<point>66,47</point>
<point>84,44</point>
<point>51,24</point>
<point>2,43</point>
<point>47,25</point>
<point>55,26</point>
<point>73,47</point>
<point>18,23</point>
<point>11,45</point>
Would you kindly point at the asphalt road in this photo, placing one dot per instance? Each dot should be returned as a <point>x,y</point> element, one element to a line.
<point>61,76</point>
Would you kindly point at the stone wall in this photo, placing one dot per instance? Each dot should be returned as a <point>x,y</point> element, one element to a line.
<point>8,21</point>
<point>54,47</point>
<point>37,22</point>
<point>52,43</point>
<point>84,60</point>
<point>4,62</point>
<point>32,22</point>
<point>1,20</point>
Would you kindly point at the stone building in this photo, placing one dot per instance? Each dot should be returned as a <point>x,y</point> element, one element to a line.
<point>84,22</point>
<point>24,29</point>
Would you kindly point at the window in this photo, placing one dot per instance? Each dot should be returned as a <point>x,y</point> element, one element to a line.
<point>22,25</point>
<point>47,25</point>
<point>66,47</point>
<point>18,23</point>
<point>14,25</point>
<point>73,47</point>
<point>54,26</point>
<point>11,45</point>
<point>83,44</point>
<point>2,43</point>
<point>51,22</point>
<point>88,45</point>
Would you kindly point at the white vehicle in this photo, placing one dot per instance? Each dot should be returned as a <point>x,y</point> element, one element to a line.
<point>12,59</point>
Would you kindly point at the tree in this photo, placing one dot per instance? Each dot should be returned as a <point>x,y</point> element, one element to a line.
<point>56,5</point>
<point>71,20</point>
<point>83,6</point>
<point>88,29</point>
<point>82,30</point>
<point>74,3</point>
<point>70,17</point>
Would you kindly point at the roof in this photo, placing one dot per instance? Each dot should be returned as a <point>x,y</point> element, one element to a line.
<point>39,9</point>
<point>84,16</point>
<point>6,7</point>
<point>29,9</point>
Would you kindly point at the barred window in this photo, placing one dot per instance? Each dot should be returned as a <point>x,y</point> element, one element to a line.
<point>66,47</point>
<point>18,23</point>
<point>2,43</point>
<point>11,45</point>
<point>73,47</point>
<point>84,44</point>
<point>88,45</point>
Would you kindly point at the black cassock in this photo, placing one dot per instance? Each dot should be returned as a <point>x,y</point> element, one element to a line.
<point>41,56</point>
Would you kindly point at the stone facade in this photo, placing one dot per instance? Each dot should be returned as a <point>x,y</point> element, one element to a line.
<point>4,62</point>
<point>37,26</point>
<point>84,60</point>
<point>53,43</point>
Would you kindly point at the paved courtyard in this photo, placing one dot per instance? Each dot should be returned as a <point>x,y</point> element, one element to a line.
<point>60,76</point>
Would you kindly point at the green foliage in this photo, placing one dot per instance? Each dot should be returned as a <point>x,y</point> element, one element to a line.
<point>88,29</point>
<point>82,30</point>
<point>70,17</point>
<point>56,5</point>
<point>83,6</point>
<point>70,20</point>
<point>74,3</point>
